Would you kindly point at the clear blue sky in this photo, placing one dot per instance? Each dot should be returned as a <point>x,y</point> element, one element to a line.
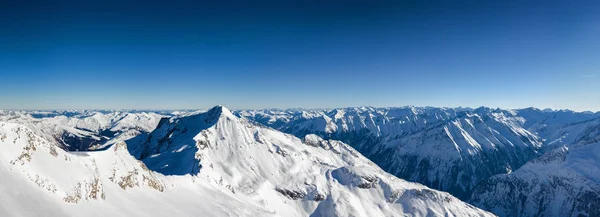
<point>119,54</point>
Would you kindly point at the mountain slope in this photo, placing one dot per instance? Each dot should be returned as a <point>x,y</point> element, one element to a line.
<point>85,130</point>
<point>295,177</point>
<point>40,179</point>
<point>563,182</point>
<point>553,126</point>
<point>221,165</point>
<point>443,148</point>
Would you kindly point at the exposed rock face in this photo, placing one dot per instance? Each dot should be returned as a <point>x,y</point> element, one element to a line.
<point>292,194</point>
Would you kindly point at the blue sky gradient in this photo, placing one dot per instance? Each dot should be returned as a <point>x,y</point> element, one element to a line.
<point>149,55</point>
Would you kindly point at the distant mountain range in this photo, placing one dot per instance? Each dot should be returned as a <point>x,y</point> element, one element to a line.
<point>301,162</point>
<point>458,149</point>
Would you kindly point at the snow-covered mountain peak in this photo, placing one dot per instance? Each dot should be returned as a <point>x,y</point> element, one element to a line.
<point>294,177</point>
<point>220,111</point>
<point>183,156</point>
<point>175,147</point>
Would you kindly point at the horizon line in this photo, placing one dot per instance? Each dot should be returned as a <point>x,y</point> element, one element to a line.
<point>292,108</point>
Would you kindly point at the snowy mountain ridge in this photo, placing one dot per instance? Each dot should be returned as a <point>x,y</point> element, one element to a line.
<point>422,144</point>
<point>563,182</point>
<point>221,165</point>
<point>85,130</point>
<point>476,154</point>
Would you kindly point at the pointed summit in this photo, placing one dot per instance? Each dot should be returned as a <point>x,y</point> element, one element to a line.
<point>171,148</point>
<point>215,113</point>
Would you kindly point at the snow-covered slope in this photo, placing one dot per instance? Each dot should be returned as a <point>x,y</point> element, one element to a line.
<point>222,166</point>
<point>40,179</point>
<point>563,182</point>
<point>554,125</point>
<point>85,130</point>
<point>443,148</point>
<point>294,177</point>
<point>461,149</point>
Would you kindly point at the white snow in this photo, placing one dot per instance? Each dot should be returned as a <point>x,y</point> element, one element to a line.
<point>246,170</point>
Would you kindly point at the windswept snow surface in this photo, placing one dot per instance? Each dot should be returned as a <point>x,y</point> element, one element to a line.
<point>201,163</point>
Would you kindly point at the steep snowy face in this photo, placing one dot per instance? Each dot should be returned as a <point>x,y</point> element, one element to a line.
<point>215,156</point>
<point>563,182</point>
<point>85,130</point>
<point>171,148</point>
<point>387,121</point>
<point>456,155</point>
<point>287,175</point>
<point>65,177</point>
<point>444,148</point>
<point>41,179</point>
<point>50,167</point>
